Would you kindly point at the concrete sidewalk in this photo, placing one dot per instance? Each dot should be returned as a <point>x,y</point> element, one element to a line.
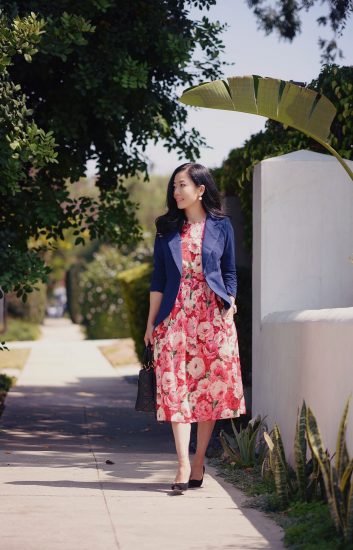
<point>70,412</point>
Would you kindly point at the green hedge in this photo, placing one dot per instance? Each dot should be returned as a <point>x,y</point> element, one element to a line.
<point>135,286</point>
<point>101,302</point>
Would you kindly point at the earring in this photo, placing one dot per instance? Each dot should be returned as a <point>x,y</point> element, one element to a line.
<point>200,198</point>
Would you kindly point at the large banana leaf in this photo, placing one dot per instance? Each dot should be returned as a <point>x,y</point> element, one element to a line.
<point>286,102</point>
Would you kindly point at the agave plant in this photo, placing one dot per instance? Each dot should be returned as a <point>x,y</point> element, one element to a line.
<point>286,102</point>
<point>247,447</point>
<point>337,477</point>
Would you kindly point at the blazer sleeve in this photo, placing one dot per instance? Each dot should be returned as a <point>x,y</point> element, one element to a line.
<point>158,279</point>
<point>228,268</point>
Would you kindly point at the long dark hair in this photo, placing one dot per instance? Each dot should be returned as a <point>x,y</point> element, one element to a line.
<point>174,218</point>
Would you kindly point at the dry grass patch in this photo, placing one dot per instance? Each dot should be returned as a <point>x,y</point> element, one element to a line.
<point>13,359</point>
<point>121,353</point>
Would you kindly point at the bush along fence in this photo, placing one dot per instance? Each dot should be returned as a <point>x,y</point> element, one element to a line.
<point>319,478</point>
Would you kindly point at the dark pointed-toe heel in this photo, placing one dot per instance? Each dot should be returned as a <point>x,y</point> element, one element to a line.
<point>178,488</point>
<point>196,482</point>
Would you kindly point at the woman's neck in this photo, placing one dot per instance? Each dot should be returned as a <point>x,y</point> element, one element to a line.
<point>195,213</point>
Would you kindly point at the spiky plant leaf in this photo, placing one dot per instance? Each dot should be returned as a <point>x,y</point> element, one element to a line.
<point>300,451</point>
<point>269,441</point>
<point>229,448</point>
<point>335,501</point>
<point>346,477</point>
<point>348,532</point>
<point>342,457</point>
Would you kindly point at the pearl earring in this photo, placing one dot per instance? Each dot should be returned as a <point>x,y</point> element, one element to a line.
<point>200,198</point>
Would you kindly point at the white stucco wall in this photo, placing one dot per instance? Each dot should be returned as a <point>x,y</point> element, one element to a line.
<point>302,292</point>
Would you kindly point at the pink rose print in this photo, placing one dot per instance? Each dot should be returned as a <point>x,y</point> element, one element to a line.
<point>196,367</point>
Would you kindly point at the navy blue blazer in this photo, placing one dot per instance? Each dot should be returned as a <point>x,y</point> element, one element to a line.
<point>218,262</point>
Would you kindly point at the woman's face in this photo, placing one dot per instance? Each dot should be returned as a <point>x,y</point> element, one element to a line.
<point>186,192</point>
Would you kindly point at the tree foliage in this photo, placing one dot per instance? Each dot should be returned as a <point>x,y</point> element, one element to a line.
<point>84,80</point>
<point>285,17</point>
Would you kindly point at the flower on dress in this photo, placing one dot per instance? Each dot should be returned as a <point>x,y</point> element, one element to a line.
<point>210,350</point>
<point>203,385</point>
<point>219,372</point>
<point>172,399</point>
<point>178,339</point>
<point>203,409</point>
<point>205,331</point>
<point>225,351</point>
<point>220,338</point>
<point>191,327</point>
<point>194,396</point>
<point>227,413</point>
<point>218,389</point>
<point>185,408</point>
<point>192,346</point>
<point>169,381</point>
<point>196,367</point>
<point>231,400</point>
<point>215,364</point>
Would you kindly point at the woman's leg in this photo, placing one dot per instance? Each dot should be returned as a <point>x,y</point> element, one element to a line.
<point>181,432</point>
<point>204,432</point>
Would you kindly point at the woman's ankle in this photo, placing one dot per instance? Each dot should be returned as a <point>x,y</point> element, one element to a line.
<point>198,460</point>
<point>184,466</point>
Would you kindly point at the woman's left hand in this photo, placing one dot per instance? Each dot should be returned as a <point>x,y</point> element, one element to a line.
<point>228,313</point>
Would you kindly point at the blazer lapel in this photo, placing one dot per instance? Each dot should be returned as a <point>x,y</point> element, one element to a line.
<point>212,230</point>
<point>175,248</point>
<point>211,234</point>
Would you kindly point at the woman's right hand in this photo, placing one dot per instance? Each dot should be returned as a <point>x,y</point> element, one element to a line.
<point>149,335</point>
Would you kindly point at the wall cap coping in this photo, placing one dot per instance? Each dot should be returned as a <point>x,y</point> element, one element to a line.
<point>329,315</point>
<point>303,155</point>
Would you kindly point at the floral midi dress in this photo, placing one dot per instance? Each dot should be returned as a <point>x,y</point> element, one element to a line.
<point>196,352</point>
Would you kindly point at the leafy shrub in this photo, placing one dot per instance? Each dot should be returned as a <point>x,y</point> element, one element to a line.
<point>101,299</point>
<point>247,446</point>
<point>135,284</point>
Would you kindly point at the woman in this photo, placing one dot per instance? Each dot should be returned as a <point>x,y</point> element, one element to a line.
<point>190,323</point>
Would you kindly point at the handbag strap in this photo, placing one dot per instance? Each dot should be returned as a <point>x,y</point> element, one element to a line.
<point>147,358</point>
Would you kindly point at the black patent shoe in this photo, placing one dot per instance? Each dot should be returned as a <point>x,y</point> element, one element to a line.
<point>196,482</point>
<point>178,488</point>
